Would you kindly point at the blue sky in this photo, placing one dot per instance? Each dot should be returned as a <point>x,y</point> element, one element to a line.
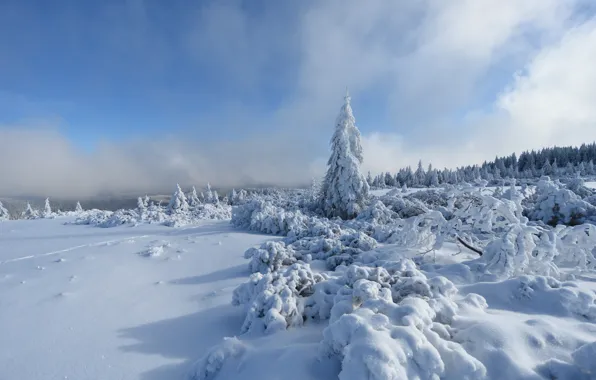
<point>226,91</point>
<point>115,69</point>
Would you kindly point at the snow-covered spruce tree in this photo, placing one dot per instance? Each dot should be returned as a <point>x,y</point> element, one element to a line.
<point>141,207</point>
<point>78,208</point>
<point>208,197</point>
<point>4,215</point>
<point>344,189</point>
<point>193,199</point>
<point>232,195</point>
<point>47,209</point>
<point>215,198</point>
<point>178,202</point>
<point>29,212</point>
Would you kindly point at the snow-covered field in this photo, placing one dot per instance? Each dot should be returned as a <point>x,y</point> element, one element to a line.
<point>79,302</point>
<point>389,295</point>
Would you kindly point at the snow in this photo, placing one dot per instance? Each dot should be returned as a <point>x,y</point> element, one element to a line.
<point>99,309</point>
<point>391,294</point>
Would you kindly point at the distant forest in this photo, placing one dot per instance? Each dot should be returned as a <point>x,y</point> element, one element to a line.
<point>556,162</point>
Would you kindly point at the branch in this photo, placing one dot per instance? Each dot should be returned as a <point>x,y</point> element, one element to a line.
<point>468,246</point>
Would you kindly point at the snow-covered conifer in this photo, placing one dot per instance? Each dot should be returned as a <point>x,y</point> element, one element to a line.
<point>193,200</point>
<point>141,206</point>
<point>208,197</point>
<point>29,212</point>
<point>345,188</point>
<point>78,207</point>
<point>146,200</point>
<point>178,202</point>
<point>47,209</point>
<point>232,197</point>
<point>4,215</point>
<point>215,198</point>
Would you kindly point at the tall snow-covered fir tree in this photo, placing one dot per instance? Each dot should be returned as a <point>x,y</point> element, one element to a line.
<point>344,189</point>
<point>78,207</point>
<point>178,202</point>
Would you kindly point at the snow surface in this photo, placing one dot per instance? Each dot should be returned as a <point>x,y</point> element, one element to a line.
<point>378,297</point>
<point>80,302</point>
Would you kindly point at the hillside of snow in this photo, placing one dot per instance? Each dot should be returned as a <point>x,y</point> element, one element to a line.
<point>264,285</point>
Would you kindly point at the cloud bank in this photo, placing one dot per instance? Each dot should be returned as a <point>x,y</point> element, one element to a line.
<point>455,83</point>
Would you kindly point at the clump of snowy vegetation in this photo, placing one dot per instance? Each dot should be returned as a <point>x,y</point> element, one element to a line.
<point>391,310</point>
<point>180,211</point>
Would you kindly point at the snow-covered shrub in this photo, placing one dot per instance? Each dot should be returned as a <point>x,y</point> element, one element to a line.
<point>576,246</point>
<point>431,198</point>
<point>270,257</point>
<point>209,365</point>
<point>275,301</point>
<point>92,217</point>
<point>378,213</point>
<point>554,205</point>
<point>578,186</point>
<point>261,216</point>
<point>404,207</point>
<point>119,218</point>
<point>386,325</point>
<point>208,211</point>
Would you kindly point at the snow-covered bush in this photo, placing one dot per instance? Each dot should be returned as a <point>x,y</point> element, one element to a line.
<point>209,365</point>
<point>554,205</point>
<point>275,301</point>
<point>270,257</point>
<point>392,324</point>
<point>261,216</point>
<point>378,213</point>
<point>402,206</point>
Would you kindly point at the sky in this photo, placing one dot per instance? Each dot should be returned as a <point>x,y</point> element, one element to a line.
<point>138,95</point>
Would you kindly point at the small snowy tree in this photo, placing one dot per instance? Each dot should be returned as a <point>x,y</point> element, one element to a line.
<point>232,197</point>
<point>141,206</point>
<point>194,200</point>
<point>47,209</point>
<point>146,200</point>
<point>215,197</point>
<point>29,212</point>
<point>345,189</point>
<point>208,196</point>
<point>178,202</point>
<point>4,215</point>
<point>78,208</point>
